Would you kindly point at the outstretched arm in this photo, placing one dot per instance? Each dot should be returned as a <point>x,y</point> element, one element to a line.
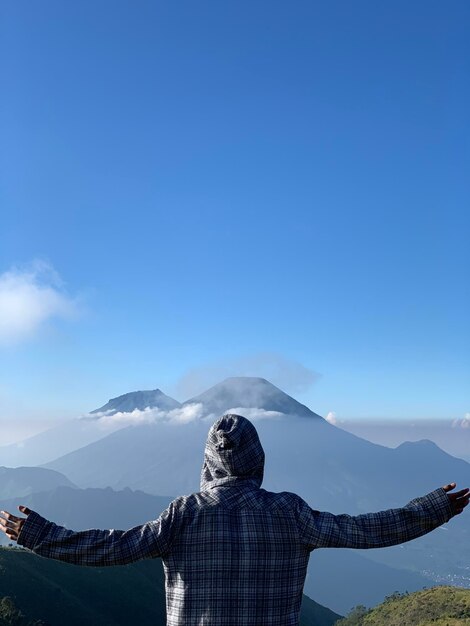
<point>90,547</point>
<point>386,528</point>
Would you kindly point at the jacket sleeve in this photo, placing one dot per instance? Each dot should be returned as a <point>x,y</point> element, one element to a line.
<point>374,530</point>
<point>99,547</point>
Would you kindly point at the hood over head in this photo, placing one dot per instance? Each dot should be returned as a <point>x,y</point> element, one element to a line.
<point>233,453</point>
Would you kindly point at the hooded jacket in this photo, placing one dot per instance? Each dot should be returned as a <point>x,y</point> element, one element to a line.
<point>235,554</point>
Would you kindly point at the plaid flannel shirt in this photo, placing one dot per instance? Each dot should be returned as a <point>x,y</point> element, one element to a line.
<point>235,554</point>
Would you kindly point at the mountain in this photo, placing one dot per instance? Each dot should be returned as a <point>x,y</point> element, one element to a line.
<point>161,459</point>
<point>439,606</point>
<point>248,393</point>
<point>329,467</point>
<point>453,436</point>
<point>115,596</point>
<point>72,434</point>
<point>89,508</point>
<point>53,442</point>
<point>138,400</point>
<point>245,392</point>
<point>22,481</point>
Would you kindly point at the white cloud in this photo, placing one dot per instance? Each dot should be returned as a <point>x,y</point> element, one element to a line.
<point>187,413</point>
<point>463,423</point>
<point>29,297</point>
<point>256,414</point>
<point>181,415</point>
<point>288,375</point>
<point>331,418</point>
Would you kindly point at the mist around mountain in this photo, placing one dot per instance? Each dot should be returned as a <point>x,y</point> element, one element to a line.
<point>57,441</point>
<point>439,606</point>
<point>72,434</point>
<point>61,593</point>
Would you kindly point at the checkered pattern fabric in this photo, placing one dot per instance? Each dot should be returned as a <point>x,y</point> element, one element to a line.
<point>235,554</point>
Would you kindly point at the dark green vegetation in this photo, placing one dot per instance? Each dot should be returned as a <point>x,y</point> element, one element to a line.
<point>11,616</point>
<point>60,593</point>
<point>439,606</point>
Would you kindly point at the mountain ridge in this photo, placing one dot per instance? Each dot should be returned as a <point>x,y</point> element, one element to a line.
<point>249,392</point>
<point>138,400</point>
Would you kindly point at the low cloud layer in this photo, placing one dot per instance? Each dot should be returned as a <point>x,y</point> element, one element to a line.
<point>256,414</point>
<point>183,415</point>
<point>332,418</point>
<point>463,423</point>
<point>30,297</point>
<point>288,375</point>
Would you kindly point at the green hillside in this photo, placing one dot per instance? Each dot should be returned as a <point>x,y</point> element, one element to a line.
<point>60,593</point>
<point>439,606</point>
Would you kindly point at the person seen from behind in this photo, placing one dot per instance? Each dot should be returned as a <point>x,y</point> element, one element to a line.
<point>234,554</point>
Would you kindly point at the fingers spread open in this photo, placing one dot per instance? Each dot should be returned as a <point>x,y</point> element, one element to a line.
<point>459,494</point>
<point>10,516</point>
<point>12,525</point>
<point>9,531</point>
<point>459,503</point>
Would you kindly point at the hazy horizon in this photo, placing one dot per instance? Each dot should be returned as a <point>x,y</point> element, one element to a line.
<point>452,435</point>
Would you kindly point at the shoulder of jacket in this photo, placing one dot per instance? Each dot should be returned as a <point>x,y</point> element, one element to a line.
<point>282,500</point>
<point>193,501</point>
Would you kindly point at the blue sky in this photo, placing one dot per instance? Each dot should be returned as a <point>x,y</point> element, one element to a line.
<point>188,186</point>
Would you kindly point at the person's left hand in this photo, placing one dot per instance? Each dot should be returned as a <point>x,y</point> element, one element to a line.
<point>458,500</point>
<point>10,524</point>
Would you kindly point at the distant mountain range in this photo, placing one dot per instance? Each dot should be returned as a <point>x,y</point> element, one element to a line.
<point>23,481</point>
<point>79,509</point>
<point>453,436</point>
<point>247,393</point>
<point>331,468</point>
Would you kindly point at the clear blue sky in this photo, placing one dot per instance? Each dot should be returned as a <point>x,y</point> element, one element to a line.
<point>214,180</point>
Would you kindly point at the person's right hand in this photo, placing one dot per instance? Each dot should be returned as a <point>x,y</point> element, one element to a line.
<point>459,499</point>
<point>12,525</point>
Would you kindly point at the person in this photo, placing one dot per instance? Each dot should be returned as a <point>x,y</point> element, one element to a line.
<point>234,554</point>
